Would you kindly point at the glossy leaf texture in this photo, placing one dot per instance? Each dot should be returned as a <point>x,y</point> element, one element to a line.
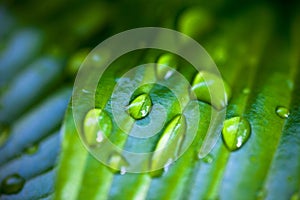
<point>266,166</point>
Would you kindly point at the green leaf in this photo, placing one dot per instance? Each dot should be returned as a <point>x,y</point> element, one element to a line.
<point>251,171</point>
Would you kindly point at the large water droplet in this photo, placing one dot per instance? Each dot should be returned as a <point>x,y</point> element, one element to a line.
<point>117,163</point>
<point>165,62</point>
<point>236,132</point>
<point>217,97</point>
<point>32,149</point>
<point>169,144</point>
<point>282,112</point>
<point>12,184</point>
<point>97,126</point>
<point>140,106</point>
<point>4,133</point>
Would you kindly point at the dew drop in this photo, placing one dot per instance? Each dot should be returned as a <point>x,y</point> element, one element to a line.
<point>75,61</point>
<point>282,112</point>
<point>169,144</point>
<point>12,184</point>
<point>165,62</point>
<point>140,106</point>
<point>97,126</point>
<point>195,22</point>
<point>217,97</point>
<point>246,91</point>
<point>4,133</point>
<point>117,163</point>
<point>262,194</point>
<point>208,159</point>
<point>32,149</point>
<point>236,132</point>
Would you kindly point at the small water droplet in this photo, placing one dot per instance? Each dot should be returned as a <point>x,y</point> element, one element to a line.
<point>32,149</point>
<point>236,132</point>
<point>140,106</point>
<point>208,159</point>
<point>165,62</point>
<point>220,55</point>
<point>75,61</point>
<point>217,97</point>
<point>12,184</point>
<point>169,144</point>
<point>295,196</point>
<point>4,133</point>
<point>195,22</point>
<point>246,91</point>
<point>282,112</point>
<point>97,126</point>
<point>117,163</point>
<point>262,194</point>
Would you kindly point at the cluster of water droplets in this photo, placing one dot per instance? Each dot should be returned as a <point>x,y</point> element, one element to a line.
<point>235,132</point>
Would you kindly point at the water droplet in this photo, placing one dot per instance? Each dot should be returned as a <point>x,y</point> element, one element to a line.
<point>4,133</point>
<point>208,159</point>
<point>217,97</point>
<point>97,126</point>
<point>262,194</point>
<point>220,55</point>
<point>117,163</point>
<point>32,149</point>
<point>76,61</point>
<point>169,144</point>
<point>165,62</point>
<point>236,132</point>
<point>295,196</point>
<point>195,22</point>
<point>140,106</point>
<point>246,91</point>
<point>282,112</point>
<point>12,184</point>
